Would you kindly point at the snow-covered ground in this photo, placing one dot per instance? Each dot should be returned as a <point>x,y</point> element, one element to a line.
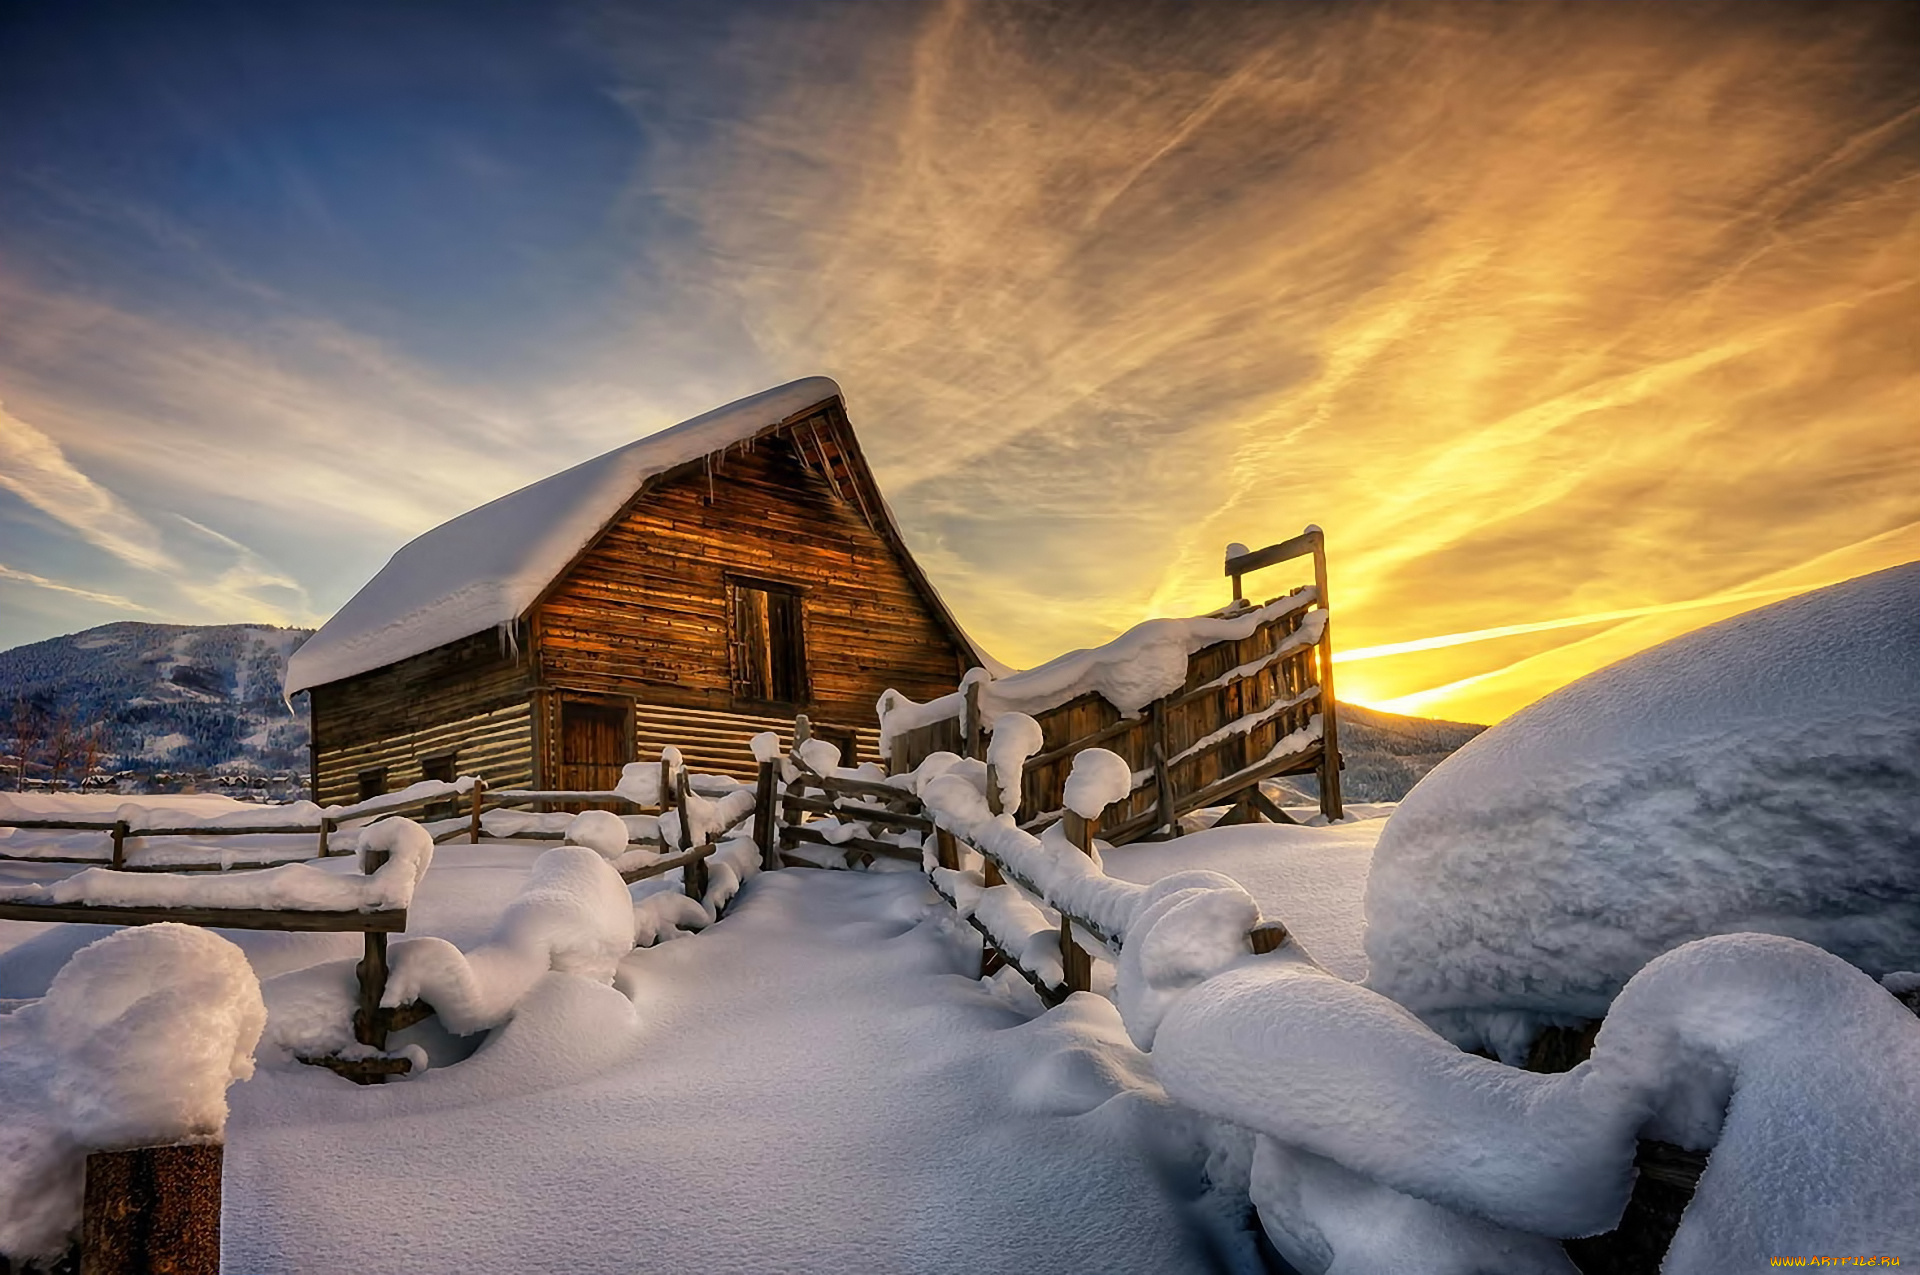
<point>1311,878</point>
<point>817,1083</point>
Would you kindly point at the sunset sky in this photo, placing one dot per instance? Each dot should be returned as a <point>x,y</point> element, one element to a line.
<point>1575,326</point>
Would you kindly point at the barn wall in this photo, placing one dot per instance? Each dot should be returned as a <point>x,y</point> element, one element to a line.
<point>644,612</point>
<point>467,697</point>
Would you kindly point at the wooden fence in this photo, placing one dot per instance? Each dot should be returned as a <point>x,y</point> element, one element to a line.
<point>1250,709</point>
<point>120,831</point>
<point>372,1022</point>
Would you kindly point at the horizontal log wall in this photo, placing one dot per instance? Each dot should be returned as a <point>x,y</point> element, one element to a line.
<point>644,612</point>
<point>496,746</point>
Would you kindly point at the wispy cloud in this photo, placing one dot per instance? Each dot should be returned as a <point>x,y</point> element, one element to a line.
<point>1541,311</point>
<point>104,599</point>
<point>34,468</point>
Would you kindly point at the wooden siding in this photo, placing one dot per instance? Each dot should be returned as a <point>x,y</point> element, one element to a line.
<point>467,697</point>
<point>644,612</point>
<point>496,745</point>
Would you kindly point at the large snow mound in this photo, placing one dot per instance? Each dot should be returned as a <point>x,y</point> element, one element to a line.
<point>1762,774</point>
<point>486,567</point>
<point>1799,1072</point>
<point>134,1044</point>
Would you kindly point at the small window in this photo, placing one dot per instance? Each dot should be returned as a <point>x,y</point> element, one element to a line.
<point>769,647</point>
<point>441,769</point>
<point>373,783</point>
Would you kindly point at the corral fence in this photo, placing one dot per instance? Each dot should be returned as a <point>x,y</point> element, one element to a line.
<point>1253,708</point>
<point>692,846</point>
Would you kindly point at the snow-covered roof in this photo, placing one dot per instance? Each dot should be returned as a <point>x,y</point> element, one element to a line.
<point>486,567</point>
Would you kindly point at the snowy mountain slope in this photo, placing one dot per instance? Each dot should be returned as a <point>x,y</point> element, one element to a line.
<point>175,695</point>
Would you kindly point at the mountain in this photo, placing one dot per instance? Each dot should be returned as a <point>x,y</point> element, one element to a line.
<point>152,701</point>
<point>1386,754</point>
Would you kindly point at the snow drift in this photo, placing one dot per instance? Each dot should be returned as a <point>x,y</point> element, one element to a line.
<point>1382,1140</point>
<point>1762,774</point>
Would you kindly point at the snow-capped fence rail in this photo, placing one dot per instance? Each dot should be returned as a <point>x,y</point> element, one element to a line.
<point>293,897</point>
<point>134,822</point>
<point>1202,709</point>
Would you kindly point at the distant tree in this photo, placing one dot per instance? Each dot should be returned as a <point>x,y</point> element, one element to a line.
<point>28,725</point>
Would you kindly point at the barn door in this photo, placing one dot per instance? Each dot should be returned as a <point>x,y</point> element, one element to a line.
<point>596,740</point>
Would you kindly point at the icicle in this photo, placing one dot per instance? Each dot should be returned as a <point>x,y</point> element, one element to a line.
<point>509,631</point>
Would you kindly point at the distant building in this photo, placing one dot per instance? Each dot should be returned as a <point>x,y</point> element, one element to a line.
<point>692,588</point>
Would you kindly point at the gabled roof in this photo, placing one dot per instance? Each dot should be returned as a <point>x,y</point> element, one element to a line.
<point>487,567</point>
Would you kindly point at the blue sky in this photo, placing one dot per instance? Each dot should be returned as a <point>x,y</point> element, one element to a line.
<point>1545,312</point>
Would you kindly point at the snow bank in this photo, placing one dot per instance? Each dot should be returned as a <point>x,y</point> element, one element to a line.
<point>1146,662</point>
<point>486,567</point>
<point>1762,774</point>
<point>299,887</point>
<point>1799,1071</point>
<point>134,1044</point>
<point>573,916</point>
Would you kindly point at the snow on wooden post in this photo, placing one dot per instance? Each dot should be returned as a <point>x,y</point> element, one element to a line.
<point>152,1209</point>
<point>473,821</point>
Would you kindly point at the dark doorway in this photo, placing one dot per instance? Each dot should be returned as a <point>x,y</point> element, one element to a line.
<point>596,740</point>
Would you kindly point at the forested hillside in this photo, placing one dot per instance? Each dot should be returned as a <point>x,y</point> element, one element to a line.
<point>150,699</point>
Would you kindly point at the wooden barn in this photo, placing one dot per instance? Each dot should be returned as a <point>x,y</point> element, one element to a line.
<point>692,588</point>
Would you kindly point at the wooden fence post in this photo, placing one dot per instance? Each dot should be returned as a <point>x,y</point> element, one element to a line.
<point>473,824</point>
<point>1266,937</point>
<point>152,1209</point>
<point>946,849</point>
<point>326,827</point>
<point>370,1021</point>
<point>972,740</point>
<point>120,831</point>
<point>993,789</point>
<point>694,878</point>
<point>1079,831</point>
<point>1330,804</point>
<point>763,819</point>
<point>683,788</point>
<point>1076,964</point>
